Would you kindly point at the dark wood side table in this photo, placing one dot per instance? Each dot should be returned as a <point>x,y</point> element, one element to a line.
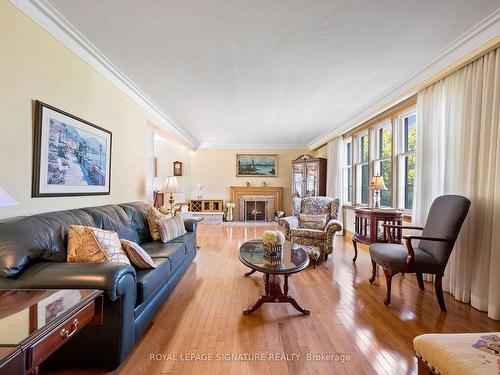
<point>35,323</point>
<point>368,227</point>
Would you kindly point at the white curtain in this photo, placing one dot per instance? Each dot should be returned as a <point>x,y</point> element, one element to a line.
<point>334,171</point>
<point>458,152</point>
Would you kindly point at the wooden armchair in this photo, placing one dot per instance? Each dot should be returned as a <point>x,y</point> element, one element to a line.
<point>444,221</point>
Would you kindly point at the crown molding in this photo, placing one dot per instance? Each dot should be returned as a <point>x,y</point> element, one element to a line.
<point>253,146</point>
<point>61,29</point>
<point>481,34</point>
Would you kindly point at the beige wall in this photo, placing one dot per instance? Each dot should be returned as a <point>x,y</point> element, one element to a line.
<point>215,170</point>
<point>34,65</point>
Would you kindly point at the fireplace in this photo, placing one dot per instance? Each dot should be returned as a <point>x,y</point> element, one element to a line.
<point>256,208</point>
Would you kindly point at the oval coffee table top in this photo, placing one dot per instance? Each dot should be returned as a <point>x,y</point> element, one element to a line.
<point>294,258</point>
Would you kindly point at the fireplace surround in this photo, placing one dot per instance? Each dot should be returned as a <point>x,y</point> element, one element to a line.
<point>271,194</point>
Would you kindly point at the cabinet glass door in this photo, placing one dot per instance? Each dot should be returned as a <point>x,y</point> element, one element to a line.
<point>312,180</point>
<point>297,179</point>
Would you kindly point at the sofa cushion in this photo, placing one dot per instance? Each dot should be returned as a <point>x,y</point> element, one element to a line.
<point>114,218</point>
<point>308,233</point>
<point>189,239</point>
<point>150,280</point>
<point>312,221</point>
<point>94,245</point>
<point>137,255</point>
<point>393,257</point>
<point>38,237</point>
<point>138,215</point>
<point>175,252</point>
<point>171,227</point>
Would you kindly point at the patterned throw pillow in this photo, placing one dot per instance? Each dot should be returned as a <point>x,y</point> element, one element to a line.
<point>137,255</point>
<point>153,216</point>
<point>171,227</point>
<point>89,244</point>
<point>313,221</point>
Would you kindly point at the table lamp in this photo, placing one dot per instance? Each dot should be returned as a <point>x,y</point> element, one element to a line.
<point>377,184</point>
<point>5,199</point>
<point>170,186</point>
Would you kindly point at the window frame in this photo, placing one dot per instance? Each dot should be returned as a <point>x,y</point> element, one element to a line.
<point>347,167</point>
<point>358,171</point>
<point>398,156</point>
<point>401,157</point>
<point>378,159</point>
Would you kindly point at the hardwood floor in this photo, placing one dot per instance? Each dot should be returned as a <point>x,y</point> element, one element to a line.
<point>203,317</point>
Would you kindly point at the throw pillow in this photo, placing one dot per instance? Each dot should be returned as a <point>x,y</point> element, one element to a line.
<point>171,227</point>
<point>153,216</point>
<point>137,255</point>
<point>312,221</point>
<point>89,244</point>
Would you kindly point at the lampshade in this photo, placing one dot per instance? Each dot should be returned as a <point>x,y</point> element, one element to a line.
<point>5,199</point>
<point>171,185</point>
<point>377,183</point>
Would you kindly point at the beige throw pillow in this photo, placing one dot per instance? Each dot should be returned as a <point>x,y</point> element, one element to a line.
<point>171,227</point>
<point>312,221</point>
<point>137,255</point>
<point>153,216</point>
<point>89,244</point>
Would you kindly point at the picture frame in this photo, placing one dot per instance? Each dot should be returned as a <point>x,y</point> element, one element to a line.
<point>71,156</point>
<point>256,165</point>
<point>177,165</point>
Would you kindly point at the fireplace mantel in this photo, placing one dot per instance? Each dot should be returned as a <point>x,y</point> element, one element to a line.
<point>275,191</point>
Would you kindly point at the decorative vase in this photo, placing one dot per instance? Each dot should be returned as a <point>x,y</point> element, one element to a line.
<point>273,255</point>
<point>229,213</point>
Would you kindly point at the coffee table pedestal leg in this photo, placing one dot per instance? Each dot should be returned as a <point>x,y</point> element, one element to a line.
<point>274,294</point>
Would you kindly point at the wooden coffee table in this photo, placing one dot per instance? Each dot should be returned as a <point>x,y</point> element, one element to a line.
<point>294,260</point>
<point>46,319</point>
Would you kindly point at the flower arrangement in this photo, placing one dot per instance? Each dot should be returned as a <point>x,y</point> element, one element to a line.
<point>272,238</point>
<point>230,205</point>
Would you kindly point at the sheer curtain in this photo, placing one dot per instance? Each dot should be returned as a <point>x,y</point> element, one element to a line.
<point>458,152</point>
<point>334,172</point>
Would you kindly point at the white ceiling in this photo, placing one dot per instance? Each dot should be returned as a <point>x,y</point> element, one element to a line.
<point>267,71</point>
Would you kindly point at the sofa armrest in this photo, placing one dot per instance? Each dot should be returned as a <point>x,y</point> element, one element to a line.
<point>108,277</point>
<point>287,224</point>
<point>332,226</point>
<point>190,225</point>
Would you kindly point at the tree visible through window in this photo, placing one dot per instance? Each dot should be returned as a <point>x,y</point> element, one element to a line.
<point>383,163</point>
<point>410,140</point>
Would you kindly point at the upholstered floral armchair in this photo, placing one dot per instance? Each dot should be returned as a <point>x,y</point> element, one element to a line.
<point>323,239</point>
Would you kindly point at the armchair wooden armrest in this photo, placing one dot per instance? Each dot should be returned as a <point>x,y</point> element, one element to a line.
<point>409,247</point>
<point>402,226</point>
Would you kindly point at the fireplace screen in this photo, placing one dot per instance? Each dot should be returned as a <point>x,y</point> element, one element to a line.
<point>255,210</point>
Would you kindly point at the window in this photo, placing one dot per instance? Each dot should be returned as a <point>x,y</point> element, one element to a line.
<point>362,176</point>
<point>383,161</point>
<point>392,156</point>
<point>407,159</point>
<point>348,171</point>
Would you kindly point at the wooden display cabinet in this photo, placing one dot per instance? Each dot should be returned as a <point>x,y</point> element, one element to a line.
<point>308,176</point>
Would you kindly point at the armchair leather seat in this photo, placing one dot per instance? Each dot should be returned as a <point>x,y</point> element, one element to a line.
<point>308,233</point>
<point>393,257</point>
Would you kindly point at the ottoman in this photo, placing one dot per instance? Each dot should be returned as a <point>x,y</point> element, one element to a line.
<point>313,252</point>
<point>460,353</point>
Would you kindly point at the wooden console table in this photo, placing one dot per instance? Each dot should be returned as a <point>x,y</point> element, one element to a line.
<point>368,226</point>
<point>45,320</point>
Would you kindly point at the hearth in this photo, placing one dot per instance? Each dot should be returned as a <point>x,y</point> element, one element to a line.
<point>255,211</point>
<point>256,208</point>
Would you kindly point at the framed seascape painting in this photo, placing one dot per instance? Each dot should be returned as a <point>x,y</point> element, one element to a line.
<point>71,156</point>
<point>257,165</point>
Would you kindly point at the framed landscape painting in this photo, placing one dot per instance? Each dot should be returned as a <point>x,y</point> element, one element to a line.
<point>71,156</point>
<point>258,165</point>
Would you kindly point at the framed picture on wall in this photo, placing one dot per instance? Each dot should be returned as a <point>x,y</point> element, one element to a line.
<point>71,156</point>
<point>256,165</point>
